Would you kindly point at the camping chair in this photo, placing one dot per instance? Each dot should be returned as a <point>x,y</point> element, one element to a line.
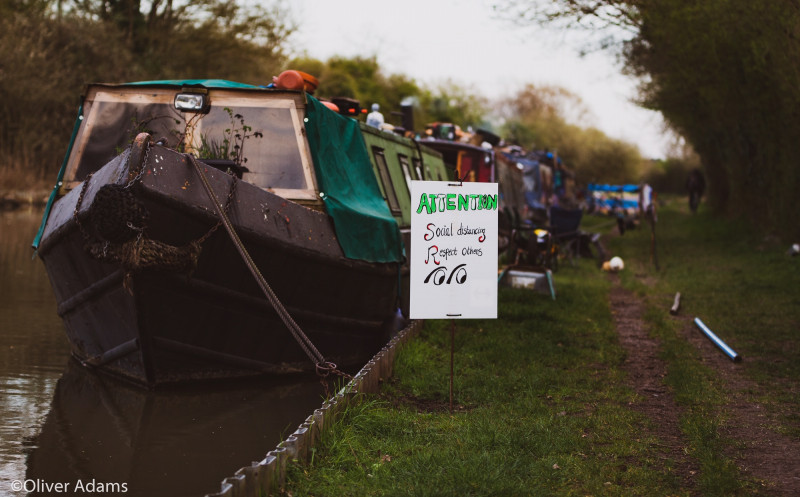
<point>527,244</point>
<point>564,227</point>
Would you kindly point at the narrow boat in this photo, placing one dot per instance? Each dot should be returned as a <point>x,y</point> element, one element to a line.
<point>209,229</point>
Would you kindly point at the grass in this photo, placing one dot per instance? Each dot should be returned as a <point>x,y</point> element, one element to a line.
<point>542,407</point>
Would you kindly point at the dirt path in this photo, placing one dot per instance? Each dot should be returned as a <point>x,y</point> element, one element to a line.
<point>645,373</point>
<point>763,452</point>
<point>760,451</point>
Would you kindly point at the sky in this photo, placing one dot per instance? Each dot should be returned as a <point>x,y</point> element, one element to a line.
<point>433,41</point>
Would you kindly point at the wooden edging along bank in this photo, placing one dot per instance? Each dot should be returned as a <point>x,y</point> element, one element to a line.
<point>268,476</point>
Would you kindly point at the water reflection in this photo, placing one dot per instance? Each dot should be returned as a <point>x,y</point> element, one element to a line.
<point>61,423</point>
<point>178,442</point>
<point>33,346</point>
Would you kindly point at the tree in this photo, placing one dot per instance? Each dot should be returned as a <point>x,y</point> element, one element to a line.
<point>534,118</point>
<point>452,103</point>
<point>362,79</point>
<point>50,49</point>
<point>725,74</point>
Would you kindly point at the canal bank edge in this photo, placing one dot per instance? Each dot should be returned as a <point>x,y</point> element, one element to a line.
<point>268,476</point>
<point>19,198</point>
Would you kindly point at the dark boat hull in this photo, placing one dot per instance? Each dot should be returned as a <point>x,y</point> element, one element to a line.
<point>154,325</point>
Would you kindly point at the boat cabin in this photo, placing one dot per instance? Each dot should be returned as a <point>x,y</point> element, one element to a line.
<point>256,133</point>
<point>397,161</point>
<point>467,161</point>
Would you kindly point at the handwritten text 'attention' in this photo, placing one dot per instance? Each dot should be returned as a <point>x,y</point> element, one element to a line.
<point>441,202</point>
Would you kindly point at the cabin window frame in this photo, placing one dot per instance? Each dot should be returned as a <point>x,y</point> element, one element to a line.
<point>389,193</point>
<point>417,165</point>
<point>226,98</point>
<point>405,166</point>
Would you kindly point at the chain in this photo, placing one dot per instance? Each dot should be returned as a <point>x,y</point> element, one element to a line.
<point>227,208</point>
<point>139,174</point>
<point>324,369</point>
<point>75,216</point>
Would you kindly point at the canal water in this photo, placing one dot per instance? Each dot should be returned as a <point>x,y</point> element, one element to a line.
<point>61,424</point>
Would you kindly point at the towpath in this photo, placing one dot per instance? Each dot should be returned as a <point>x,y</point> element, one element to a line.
<point>758,449</point>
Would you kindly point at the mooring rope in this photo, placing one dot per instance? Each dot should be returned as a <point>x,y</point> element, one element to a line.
<point>323,367</point>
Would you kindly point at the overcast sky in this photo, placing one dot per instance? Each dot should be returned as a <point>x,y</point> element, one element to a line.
<point>433,40</point>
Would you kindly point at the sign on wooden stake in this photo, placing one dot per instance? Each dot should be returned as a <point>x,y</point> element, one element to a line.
<point>453,250</point>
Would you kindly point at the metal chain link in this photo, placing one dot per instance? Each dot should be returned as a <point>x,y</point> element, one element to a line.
<point>142,167</point>
<point>75,216</point>
<point>227,208</point>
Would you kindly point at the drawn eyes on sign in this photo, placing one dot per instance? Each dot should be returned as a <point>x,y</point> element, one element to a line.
<point>460,273</point>
<point>438,275</point>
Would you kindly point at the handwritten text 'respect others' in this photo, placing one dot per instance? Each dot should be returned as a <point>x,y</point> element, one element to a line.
<point>431,203</point>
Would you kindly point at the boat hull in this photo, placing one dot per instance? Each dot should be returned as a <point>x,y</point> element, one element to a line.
<point>200,313</point>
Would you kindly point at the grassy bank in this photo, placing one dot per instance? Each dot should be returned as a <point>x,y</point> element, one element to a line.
<point>543,406</point>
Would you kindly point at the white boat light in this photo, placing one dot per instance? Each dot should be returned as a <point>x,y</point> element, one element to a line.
<point>191,102</point>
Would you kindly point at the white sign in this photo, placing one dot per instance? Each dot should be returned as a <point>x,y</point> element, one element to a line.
<point>453,250</point>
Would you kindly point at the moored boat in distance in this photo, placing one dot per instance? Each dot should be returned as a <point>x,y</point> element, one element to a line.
<point>199,226</point>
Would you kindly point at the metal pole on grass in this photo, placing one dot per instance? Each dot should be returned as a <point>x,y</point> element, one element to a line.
<point>452,348</point>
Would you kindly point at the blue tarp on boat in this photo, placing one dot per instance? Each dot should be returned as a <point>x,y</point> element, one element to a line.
<point>614,196</point>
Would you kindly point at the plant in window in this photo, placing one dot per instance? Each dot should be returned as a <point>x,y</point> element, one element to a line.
<point>231,145</point>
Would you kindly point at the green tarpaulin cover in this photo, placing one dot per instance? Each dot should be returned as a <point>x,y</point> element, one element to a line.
<point>364,225</point>
<point>208,83</point>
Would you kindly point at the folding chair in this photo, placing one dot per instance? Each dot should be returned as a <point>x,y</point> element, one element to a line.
<point>565,229</point>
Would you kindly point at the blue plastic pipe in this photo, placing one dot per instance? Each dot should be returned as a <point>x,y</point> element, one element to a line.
<point>719,343</point>
<point>550,283</point>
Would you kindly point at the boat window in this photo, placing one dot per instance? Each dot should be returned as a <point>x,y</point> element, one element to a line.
<point>406,171</point>
<point>386,180</point>
<point>264,139</point>
<point>418,168</point>
<point>264,135</point>
<point>111,126</point>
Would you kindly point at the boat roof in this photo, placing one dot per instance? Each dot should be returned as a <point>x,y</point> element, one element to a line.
<point>206,83</point>
<point>451,144</point>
